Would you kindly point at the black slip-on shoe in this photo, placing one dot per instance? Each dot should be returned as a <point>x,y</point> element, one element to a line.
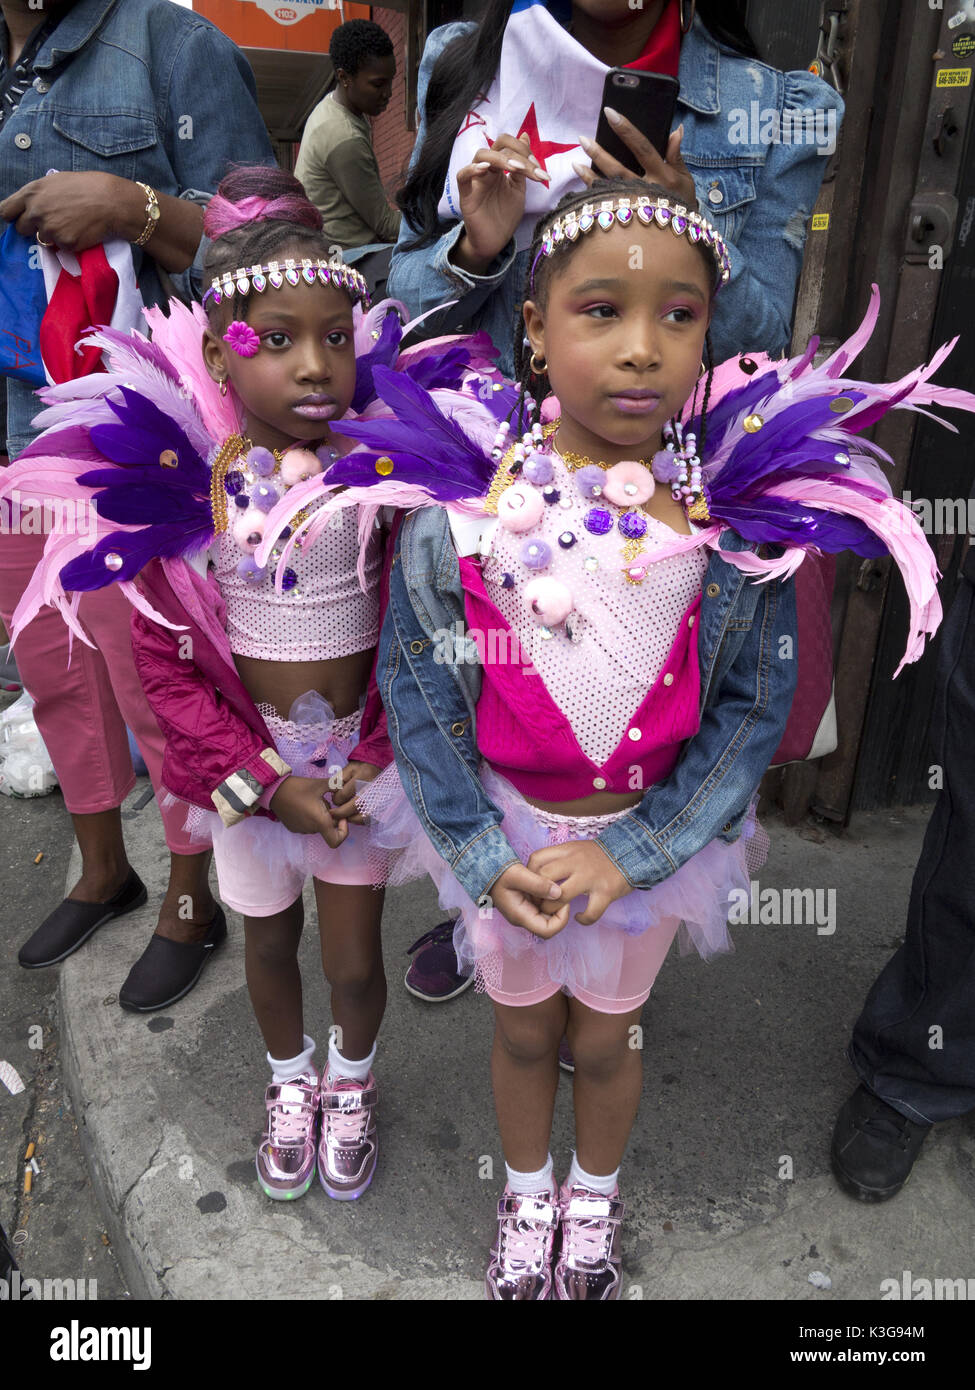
<point>71,923</point>
<point>874,1147</point>
<point>167,970</point>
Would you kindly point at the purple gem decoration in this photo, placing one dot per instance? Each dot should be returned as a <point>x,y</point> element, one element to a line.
<point>624,215</point>
<point>551,494</point>
<point>233,483</point>
<point>285,532</point>
<point>632,525</point>
<point>288,580</point>
<point>242,500</point>
<point>678,223</point>
<point>507,581</point>
<point>590,478</point>
<point>598,521</point>
<point>538,469</point>
<point>535,554</point>
<point>567,540</point>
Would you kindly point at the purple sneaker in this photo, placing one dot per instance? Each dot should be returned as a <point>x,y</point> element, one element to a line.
<point>521,1257</point>
<point>286,1157</point>
<point>349,1146</point>
<point>435,973</point>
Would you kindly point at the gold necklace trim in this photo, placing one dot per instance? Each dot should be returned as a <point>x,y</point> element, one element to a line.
<point>230,451</point>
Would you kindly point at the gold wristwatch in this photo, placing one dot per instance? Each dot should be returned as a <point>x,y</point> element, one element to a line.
<point>153,213</point>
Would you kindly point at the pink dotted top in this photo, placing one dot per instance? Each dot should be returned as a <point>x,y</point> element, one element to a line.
<point>560,717</point>
<point>325,615</point>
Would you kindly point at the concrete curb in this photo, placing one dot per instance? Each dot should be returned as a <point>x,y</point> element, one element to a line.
<point>744,1068</point>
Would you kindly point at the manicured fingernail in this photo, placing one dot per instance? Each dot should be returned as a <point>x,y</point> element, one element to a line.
<point>581,171</point>
<point>679,132</point>
<point>586,144</point>
<point>612,116</point>
<point>482,164</point>
<point>517,163</point>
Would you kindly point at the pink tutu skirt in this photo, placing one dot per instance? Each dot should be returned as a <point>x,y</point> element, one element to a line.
<point>262,866</point>
<point>610,965</point>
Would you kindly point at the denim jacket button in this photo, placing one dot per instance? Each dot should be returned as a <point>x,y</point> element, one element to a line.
<point>416,648</point>
<point>40,85</point>
<point>22,140</point>
<point>713,590</point>
<point>727,828</point>
<point>457,728</point>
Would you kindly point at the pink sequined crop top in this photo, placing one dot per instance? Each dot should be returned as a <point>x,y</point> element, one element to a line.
<point>324,614</point>
<point>608,707</point>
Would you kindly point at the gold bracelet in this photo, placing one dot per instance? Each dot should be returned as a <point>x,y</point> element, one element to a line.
<point>153,213</point>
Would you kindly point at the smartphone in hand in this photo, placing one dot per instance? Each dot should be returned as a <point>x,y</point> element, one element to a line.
<point>647,100</point>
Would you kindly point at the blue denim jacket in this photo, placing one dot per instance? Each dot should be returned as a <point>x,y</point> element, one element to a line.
<point>758,193</point>
<point>142,89</point>
<point>430,688</point>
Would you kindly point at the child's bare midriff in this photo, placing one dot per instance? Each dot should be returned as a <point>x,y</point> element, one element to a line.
<point>599,804</point>
<point>341,680</point>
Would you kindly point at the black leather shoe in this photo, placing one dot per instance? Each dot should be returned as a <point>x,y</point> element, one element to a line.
<point>71,923</point>
<point>874,1147</point>
<point>167,970</point>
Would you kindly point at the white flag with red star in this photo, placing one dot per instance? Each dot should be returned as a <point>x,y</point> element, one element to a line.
<point>547,87</point>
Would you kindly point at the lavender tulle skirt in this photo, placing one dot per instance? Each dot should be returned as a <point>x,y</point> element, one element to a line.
<point>610,965</point>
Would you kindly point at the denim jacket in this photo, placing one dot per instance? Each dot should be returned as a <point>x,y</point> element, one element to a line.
<point>142,89</point>
<point>430,689</point>
<point>759,193</point>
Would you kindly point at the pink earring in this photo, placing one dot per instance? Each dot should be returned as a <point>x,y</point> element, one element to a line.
<point>242,338</point>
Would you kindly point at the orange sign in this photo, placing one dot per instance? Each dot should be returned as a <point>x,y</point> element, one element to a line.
<point>297,26</point>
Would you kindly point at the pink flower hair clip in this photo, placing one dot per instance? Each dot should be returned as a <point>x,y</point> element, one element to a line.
<point>242,338</point>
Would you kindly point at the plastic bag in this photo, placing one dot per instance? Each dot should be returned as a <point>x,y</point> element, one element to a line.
<point>25,768</point>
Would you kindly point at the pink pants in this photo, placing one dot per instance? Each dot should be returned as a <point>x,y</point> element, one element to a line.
<point>82,708</point>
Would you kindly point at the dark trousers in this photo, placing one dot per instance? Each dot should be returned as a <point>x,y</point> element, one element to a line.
<point>914,1043</point>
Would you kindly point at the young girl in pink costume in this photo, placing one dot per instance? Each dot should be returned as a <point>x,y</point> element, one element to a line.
<point>257,672</point>
<point>588,659</point>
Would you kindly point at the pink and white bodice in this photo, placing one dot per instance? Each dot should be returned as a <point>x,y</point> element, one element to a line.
<point>322,614</point>
<point>573,702</point>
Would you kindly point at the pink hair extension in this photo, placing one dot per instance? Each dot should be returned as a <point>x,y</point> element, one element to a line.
<point>223,216</point>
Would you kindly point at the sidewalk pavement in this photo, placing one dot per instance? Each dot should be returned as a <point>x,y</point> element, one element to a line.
<point>726,1180</point>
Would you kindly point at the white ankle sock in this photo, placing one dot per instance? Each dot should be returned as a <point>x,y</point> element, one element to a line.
<point>578,1177</point>
<point>288,1068</point>
<point>353,1071</point>
<point>522,1183</point>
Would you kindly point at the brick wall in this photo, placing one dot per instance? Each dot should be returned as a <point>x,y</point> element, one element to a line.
<point>391,137</point>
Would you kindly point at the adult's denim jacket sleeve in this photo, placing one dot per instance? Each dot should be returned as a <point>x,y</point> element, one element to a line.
<point>748,676</point>
<point>430,714</point>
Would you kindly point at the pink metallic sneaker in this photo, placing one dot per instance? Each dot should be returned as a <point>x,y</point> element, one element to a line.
<point>349,1145</point>
<point>286,1157</point>
<point>589,1267</point>
<point>521,1257</point>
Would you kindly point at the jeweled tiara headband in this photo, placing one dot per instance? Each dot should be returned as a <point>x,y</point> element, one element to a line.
<point>291,272</point>
<point>681,222</point>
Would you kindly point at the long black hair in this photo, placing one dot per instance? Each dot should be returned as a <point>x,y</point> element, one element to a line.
<point>465,70</point>
<point>533,385</point>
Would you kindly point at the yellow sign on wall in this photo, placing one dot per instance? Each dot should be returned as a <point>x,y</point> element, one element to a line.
<point>953,77</point>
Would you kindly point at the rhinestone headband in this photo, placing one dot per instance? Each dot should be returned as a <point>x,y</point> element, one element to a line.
<point>292,272</point>
<point>681,222</point>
